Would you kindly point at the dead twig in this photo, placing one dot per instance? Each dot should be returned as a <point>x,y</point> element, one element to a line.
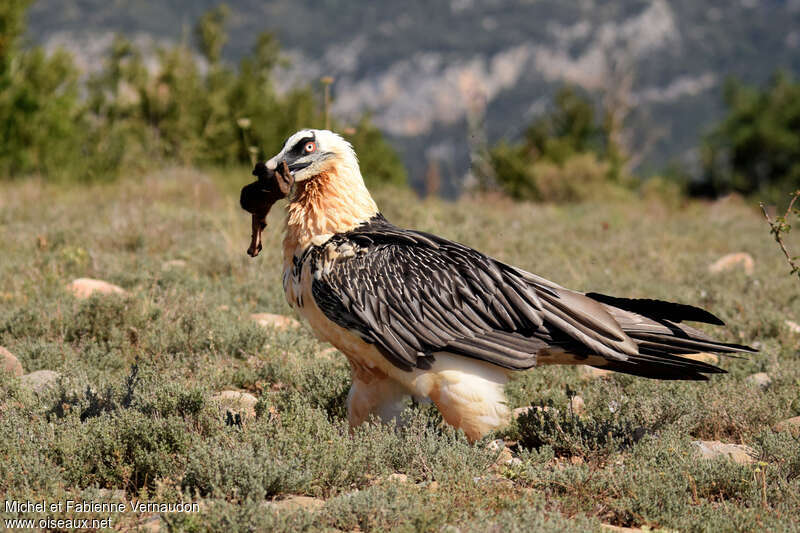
<point>779,226</point>
<point>693,486</point>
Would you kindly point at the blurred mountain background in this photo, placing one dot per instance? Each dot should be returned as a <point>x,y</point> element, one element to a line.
<point>436,76</point>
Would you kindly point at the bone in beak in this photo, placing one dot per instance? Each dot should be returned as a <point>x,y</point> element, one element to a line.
<point>258,198</point>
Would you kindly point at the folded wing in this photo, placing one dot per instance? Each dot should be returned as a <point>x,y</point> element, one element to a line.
<point>413,294</point>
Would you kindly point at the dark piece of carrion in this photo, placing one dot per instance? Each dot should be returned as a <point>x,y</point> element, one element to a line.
<point>258,197</point>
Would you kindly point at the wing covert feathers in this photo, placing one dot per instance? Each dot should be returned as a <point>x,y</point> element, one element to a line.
<point>413,294</point>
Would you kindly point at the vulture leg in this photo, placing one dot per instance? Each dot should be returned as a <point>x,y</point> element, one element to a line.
<point>383,398</point>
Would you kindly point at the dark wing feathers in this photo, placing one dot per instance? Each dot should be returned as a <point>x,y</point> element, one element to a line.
<point>413,294</point>
<point>660,309</point>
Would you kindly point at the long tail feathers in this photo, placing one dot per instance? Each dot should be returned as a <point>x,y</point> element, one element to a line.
<point>655,327</point>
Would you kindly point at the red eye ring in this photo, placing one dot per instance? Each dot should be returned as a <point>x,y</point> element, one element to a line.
<point>309,147</point>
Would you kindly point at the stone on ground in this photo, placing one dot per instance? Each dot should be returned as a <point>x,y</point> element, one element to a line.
<point>794,327</point>
<point>9,363</point>
<point>731,261</point>
<point>790,425</point>
<point>40,380</point>
<point>237,401</point>
<point>759,379</point>
<point>738,453</point>
<point>83,288</point>
<point>275,321</point>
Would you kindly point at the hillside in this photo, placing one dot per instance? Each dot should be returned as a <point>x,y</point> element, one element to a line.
<point>420,68</point>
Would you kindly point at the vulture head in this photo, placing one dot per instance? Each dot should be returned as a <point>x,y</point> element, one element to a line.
<point>309,153</point>
<point>318,171</point>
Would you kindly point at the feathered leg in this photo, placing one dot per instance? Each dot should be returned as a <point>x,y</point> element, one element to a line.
<point>383,398</point>
<point>470,395</point>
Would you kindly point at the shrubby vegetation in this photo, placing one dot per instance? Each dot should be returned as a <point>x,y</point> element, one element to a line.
<point>189,108</point>
<point>756,147</point>
<point>565,155</point>
<point>134,412</point>
<point>41,120</point>
<point>568,154</point>
<point>782,225</point>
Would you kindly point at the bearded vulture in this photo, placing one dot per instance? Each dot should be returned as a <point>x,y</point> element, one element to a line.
<point>419,315</point>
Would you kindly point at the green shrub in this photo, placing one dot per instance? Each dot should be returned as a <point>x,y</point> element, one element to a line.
<point>125,448</point>
<point>105,319</point>
<point>224,467</point>
<point>756,147</point>
<point>565,156</point>
<point>133,118</point>
<point>569,435</point>
<point>23,322</point>
<point>42,123</point>
<point>581,177</point>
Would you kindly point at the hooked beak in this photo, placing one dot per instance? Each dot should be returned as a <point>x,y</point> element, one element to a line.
<point>298,166</point>
<point>278,160</point>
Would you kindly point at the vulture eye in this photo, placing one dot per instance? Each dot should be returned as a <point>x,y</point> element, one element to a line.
<point>309,147</point>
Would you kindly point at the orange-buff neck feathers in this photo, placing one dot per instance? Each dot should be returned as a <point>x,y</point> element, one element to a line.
<point>334,201</point>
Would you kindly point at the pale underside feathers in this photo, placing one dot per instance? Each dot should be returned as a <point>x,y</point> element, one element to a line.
<point>413,294</point>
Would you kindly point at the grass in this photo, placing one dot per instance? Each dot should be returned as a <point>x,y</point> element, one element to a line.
<point>132,410</point>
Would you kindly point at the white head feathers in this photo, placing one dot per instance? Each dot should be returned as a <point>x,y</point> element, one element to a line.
<point>329,195</point>
<point>311,152</point>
